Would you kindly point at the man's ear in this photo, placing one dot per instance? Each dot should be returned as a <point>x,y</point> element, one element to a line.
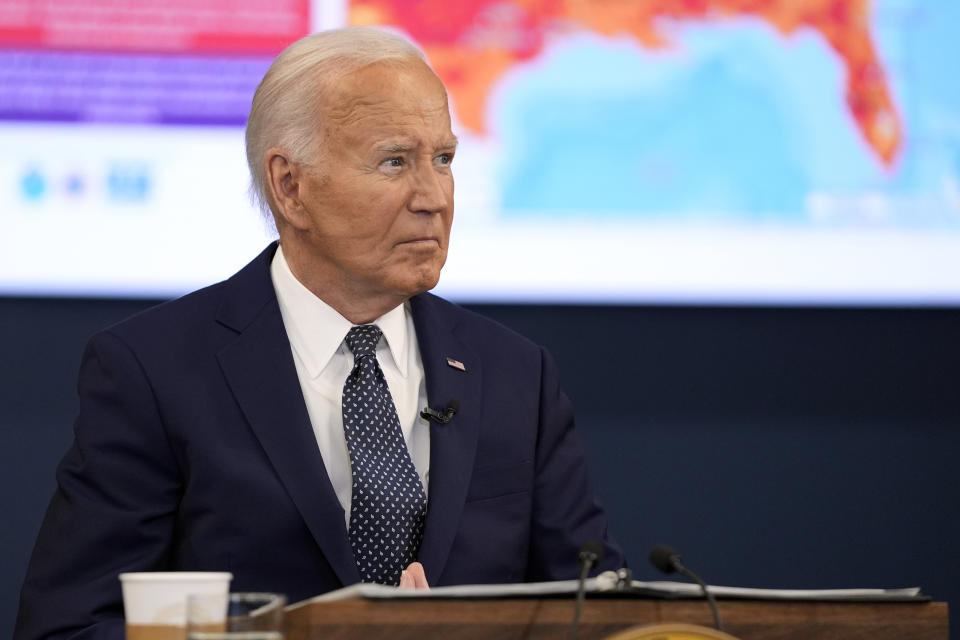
<point>284,180</point>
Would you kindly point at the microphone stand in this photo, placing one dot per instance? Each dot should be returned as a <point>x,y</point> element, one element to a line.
<point>668,561</point>
<point>590,554</point>
<point>681,569</point>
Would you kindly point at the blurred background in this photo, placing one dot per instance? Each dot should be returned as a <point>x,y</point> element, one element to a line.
<point>759,200</point>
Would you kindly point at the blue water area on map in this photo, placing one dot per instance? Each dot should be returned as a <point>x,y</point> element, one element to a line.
<point>733,123</point>
<point>921,44</point>
<point>624,153</point>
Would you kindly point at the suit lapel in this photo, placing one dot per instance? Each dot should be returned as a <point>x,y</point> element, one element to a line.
<point>452,446</point>
<point>259,368</point>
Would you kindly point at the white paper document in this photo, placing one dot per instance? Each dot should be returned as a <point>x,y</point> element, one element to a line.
<point>607,583</point>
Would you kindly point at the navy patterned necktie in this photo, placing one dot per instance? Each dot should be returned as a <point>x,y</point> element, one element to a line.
<point>389,504</point>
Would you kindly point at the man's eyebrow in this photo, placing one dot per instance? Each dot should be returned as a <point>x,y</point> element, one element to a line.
<point>403,147</point>
<point>394,147</point>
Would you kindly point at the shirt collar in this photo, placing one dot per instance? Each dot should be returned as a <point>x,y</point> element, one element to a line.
<point>316,330</point>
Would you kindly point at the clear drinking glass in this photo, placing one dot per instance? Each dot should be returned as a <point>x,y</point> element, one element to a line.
<point>235,616</point>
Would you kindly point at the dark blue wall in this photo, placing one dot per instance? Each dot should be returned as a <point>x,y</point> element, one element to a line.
<point>773,447</point>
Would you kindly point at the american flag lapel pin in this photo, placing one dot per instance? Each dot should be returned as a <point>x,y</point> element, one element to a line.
<point>456,364</point>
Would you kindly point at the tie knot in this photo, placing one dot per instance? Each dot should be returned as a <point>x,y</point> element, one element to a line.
<point>362,340</point>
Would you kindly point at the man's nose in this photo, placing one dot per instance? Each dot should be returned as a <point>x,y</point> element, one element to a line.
<point>430,191</point>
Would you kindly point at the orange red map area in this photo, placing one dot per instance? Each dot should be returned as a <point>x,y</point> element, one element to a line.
<point>471,43</point>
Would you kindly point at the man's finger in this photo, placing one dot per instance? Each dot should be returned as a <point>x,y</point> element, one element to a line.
<point>413,577</point>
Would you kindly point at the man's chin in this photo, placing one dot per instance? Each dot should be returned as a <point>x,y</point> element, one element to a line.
<point>420,282</point>
<point>423,286</point>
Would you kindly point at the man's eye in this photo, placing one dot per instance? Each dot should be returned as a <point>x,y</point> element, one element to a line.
<point>393,162</point>
<point>445,158</point>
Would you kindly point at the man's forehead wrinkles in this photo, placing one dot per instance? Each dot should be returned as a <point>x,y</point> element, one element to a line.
<point>361,107</point>
<point>346,110</point>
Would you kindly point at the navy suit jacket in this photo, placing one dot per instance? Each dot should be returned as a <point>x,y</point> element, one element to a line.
<point>193,451</point>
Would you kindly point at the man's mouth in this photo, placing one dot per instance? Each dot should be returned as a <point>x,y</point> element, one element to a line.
<point>423,240</point>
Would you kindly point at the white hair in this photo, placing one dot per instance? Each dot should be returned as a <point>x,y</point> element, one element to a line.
<point>285,110</point>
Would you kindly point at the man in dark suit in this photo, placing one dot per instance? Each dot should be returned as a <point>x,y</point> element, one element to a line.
<point>219,431</point>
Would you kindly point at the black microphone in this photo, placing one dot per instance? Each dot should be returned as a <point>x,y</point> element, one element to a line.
<point>441,416</point>
<point>668,561</point>
<point>590,554</point>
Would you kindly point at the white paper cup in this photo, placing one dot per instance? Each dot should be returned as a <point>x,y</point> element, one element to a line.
<point>159,599</point>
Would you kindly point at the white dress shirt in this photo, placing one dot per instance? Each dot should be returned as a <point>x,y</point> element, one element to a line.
<point>316,333</point>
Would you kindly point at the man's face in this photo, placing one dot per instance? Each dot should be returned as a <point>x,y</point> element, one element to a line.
<point>379,200</point>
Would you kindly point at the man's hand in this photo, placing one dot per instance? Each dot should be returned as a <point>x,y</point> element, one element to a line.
<point>413,577</point>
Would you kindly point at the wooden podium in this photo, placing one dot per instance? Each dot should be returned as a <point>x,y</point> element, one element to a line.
<point>533,618</point>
